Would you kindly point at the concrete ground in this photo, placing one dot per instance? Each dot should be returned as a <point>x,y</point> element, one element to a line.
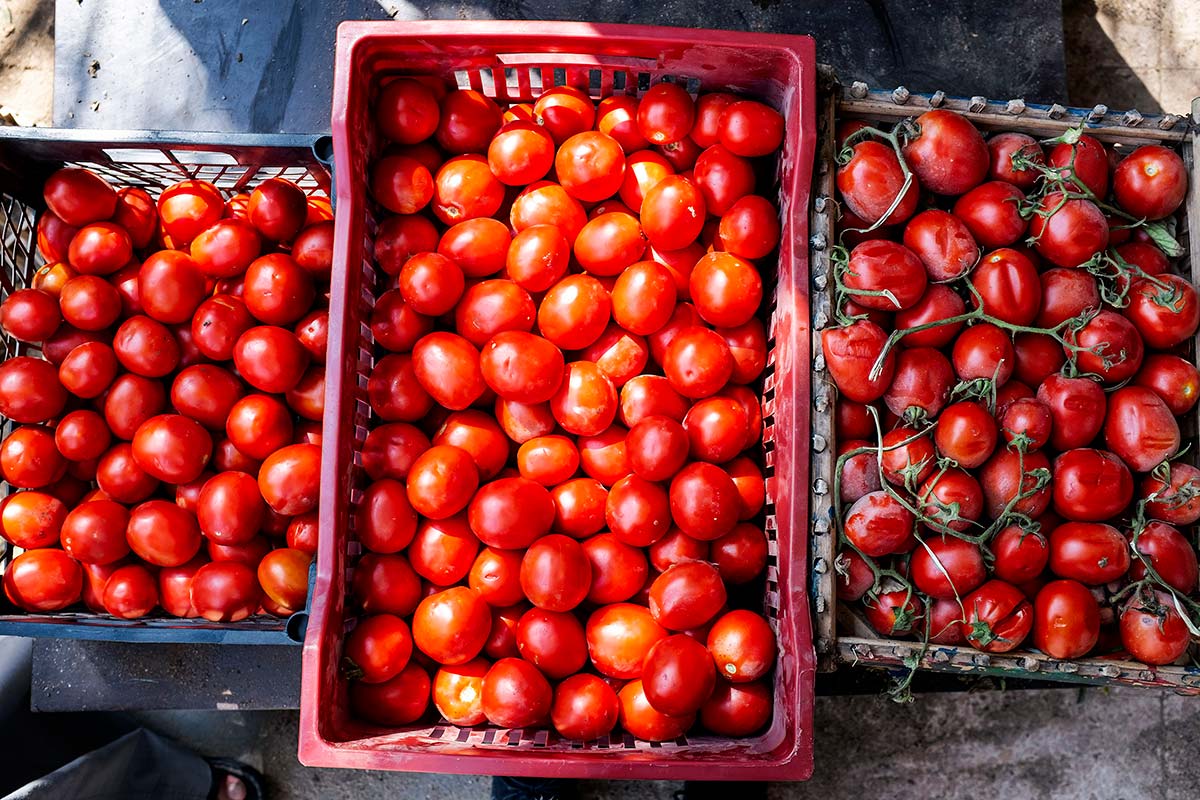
<point>1066,744</point>
<point>1063,743</point>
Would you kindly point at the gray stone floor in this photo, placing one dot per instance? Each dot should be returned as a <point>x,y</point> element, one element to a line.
<point>1066,744</point>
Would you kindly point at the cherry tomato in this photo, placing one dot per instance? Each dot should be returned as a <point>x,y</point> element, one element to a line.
<point>1066,622</point>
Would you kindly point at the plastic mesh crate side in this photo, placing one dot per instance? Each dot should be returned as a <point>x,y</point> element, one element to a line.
<point>516,67</point>
<point>152,161</point>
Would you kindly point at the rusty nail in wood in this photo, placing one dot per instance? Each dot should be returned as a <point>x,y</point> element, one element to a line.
<point>820,566</point>
<point>820,486</point>
<point>1168,121</point>
<point>858,90</point>
<point>937,98</point>
<point>1132,118</point>
<point>1097,113</point>
<point>818,241</point>
<point>978,103</point>
<point>1056,111</point>
<point>1015,107</point>
<point>900,95</point>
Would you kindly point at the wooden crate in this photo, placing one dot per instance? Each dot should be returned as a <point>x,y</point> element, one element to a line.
<point>841,636</point>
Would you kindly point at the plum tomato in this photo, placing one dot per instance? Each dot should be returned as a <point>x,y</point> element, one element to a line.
<point>1163,308</point>
<point>851,353</point>
<point>1168,552</point>
<point>1003,147</point>
<point>1140,428</point>
<point>1108,345</point>
<point>521,153</point>
<point>590,166</point>
<point>1176,380</point>
<point>619,636</point>
<point>1066,619</point>
<point>1008,288</point>
<point>1152,630</point>
<point>949,155</point>
<point>997,617</point>
<point>290,479</point>
<point>1089,552</point>
<point>991,212</point>
<point>1020,555</point>
<point>984,351</point>
<point>1150,182</point>
<point>522,367</point>
<point>894,613</point>
<point>226,591</point>
<point>1014,477</point>
<point>941,242</point>
<point>1068,232</point>
<point>1091,485</point>
<point>1173,497</point>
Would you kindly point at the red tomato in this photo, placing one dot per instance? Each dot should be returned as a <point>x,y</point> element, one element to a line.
<point>723,178</point>
<point>991,212</point>
<point>1068,232</point>
<point>574,312</point>
<point>555,573</point>
<point>100,248</point>
<point>642,171</point>
<point>579,506</point>
<point>477,246</point>
<point>79,196</point>
<point>850,354</point>
<point>468,121</point>
<point>585,403</point>
<point>922,382</point>
<point>666,114</point>
<point>678,675</point>
<point>146,347</point>
<point>1174,379</point>
<point>1175,500</point>
<point>1108,345</point>
<point>967,433</point>
<point>378,648</point>
<point>43,580</point>
<point>29,458</point>
<point>1089,552</point>
<point>119,476</point>
<point>88,302</point>
<point>495,575</point>
<point>1091,485</point>
<point>741,555</point>
<point>451,626</point>
<point>1066,293</point>
<point>1077,406</point>
<point>277,290</point>
<point>650,395</point>
<point>545,203</point>
<point>564,111</point>
<point>510,513</point>
<point>638,511</point>
<point>590,166</point>
<point>618,117</point>
<point>1152,629</point>
<point>743,646</point>
<point>407,111</point>
<point>538,257</point>
<point>270,359</point>
<point>516,694</point>
<point>448,368</point>
<point>401,700</point>
<point>465,189</point>
<point>1020,555</point>
<point>687,595</point>
<point>218,323</point>
<point>749,128</point>
<point>894,613</point>
<point>94,532</point>
<point>947,567</point>
<point>949,155</point>
<point>430,284</point>
<point>163,534</point>
<point>657,447</point>
<point>997,617</point>
<point>396,326</point>
<point>1008,287</point>
<point>473,431</point>
<point>1066,620</point>
<point>521,153</point>
<point>175,588</point>
<point>553,641</point>
<point>258,425</point>
<point>1086,160</point>
<point>877,524</point>
<point>1164,309</point>
<point>939,303</point>
<point>1038,356</point>
<point>290,479</point>
<point>1003,147</point>
<point>395,392</point>
<point>53,242</point>
<point>882,275</point>
<point>620,355</point>
<point>278,208</point>
<point>130,592</point>
<point>704,501</point>
<point>226,591</point>
<point>188,208</point>
<point>1168,552</point>
<point>1150,182</point>
<point>871,181</point>
<point>522,367</point>
<point>698,362</point>
<point>619,636</point>
<point>385,584</point>
<point>585,708</point>
<point>1026,424</point>
<point>941,242</point>
<point>207,393</point>
<point>31,315</point>
<point>401,237</point>
<point>230,509</point>
<point>443,551</point>
<point>673,212</point>
<point>1013,477</point>
<point>609,243</point>
<point>226,249</point>
<point>643,297</point>
<point>952,499</point>
<point>1140,428</point>
<point>172,448</point>
<point>31,520</point>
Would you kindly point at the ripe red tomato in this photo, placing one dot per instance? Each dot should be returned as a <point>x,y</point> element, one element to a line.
<point>442,551</point>
<point>451,626</point>
<point>468,121</point>
<point>1091,485</point>
<point>717,429</point>
<point>666,114</point>
<point>619,636</point>
<point>402,185</point>
<point>1173,502</point>
<point>510,513</point>
<point>277,290</point>
<point>1168,552</point>
<point>1068,232</point>
<point>585,707</point>
<point>385,584</point>
<point>458,692</point>
<point>407,111</point>
<point>1086,160</point>
<point>991,212</point>
<point>724,178</point>
<point>698,362</point>
<point>100,248</point>
<point>585,403</point>
<point>1089,552</point>
<point>29,458</point>
<point>525,368</point>
<point>967,433</point>
<point>1002,147</point>
<point>401,237</point>
<point>1140,428</point>
<point>495,575</point>
<point>638,511</point>
<point>226,591</point>
<point>1078,407</point>
<point>548,460</point>
<point>1020,555</point>
<point>290,478</point>
<point>984,351</point>
<point>258,425</point>
<point>922,382</point>
<point>850,354</point>
<point>1109,346</point>
<point>616,115</point>
<point>882,275</point>
<point>175,588</point>
<point>230,509</point>
<point>31,520</point>
<point>172,448</point>
<point>618,569</point>
<point>431,284</point>
<point>742,645</point>
<point>997,618</point>
<point>951,499</point>
<point>942,243</point>
<point>218,323</point>
<point>516,694</point>
<point>555,573</point>
<point>1150,182</point>
<point>1008,286</point>
<point>473,431</point>
<point>31,315</point>
<point>1025,424</point>
<point>207,393</point>
<point>1152,629</point>
<point>678,676</point>
<point>564,111</point>
<point>119,476</point>
<point>894,613</point>
<point>278,209</point>
<point>877,524</point>
<point>687,595</point>
<point>378,648</point>
<point>590,165</point>
<point>546,203</point>
<point>553,641</point>
<point>486,309</point>
<point>946,567</point>
<point>1010,476</point>
<point>94,532</point>
<point>673,212</point>
<point>574,312</point>
<point>538,257</point>
<point>1066,620</point>
<point>399,701</point>
<point>79,196</point>
<point>610,242</point>
<point>1164,309</point>
<point>949,156</point>
<point>88,302</point>
<point>704,501</point>
<point>1176,380</point>
<point>522,152</point>
<point>163,534</point>
<point>226,249</point>
<point>579,506</point>
<point>657,447</point>
<point>749,128</point>
<point>146,347</point>
<point>270,359</point>
<point>130,592</point>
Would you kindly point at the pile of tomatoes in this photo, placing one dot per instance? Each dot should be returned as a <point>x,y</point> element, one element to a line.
<point>1011,357</point>
<point>168,435</point>
<point>563,504</point>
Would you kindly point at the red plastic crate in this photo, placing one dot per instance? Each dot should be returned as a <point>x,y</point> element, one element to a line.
<point>514,61</point>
